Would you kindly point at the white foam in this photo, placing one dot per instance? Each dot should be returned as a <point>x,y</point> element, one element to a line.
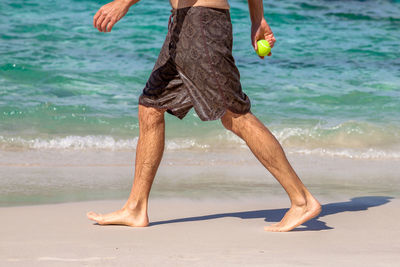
<point>70,142</point>
<point>92,142</point>
<point>349,153</point>
<point>348,139</point>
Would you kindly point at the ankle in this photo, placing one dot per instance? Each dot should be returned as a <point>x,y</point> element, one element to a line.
<point>302,198</point>
<point>308,201</point>
<point>299,201</point>
<point>136,206</point>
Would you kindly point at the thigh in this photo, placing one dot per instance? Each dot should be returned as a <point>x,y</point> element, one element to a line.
<point>204,60</point>
<point>205,42</point>
<point>164,89</point>
<point>164,75</point>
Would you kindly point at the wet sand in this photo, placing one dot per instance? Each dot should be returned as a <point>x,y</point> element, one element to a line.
<point>54,176</point>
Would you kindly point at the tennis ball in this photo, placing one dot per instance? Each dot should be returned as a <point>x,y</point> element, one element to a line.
<point>263,48</point>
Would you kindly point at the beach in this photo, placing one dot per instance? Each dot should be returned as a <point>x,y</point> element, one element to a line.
<point>203,233</point>
<point>54,176</point>
<point>203,211</point>
<point>69,127</point>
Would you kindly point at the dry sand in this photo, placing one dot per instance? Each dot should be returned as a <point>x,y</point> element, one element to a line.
<point>362,231</point>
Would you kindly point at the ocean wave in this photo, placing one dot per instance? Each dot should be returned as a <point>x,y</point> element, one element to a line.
<point>368,153</point>
<point>90,142</point>
<point>349,134</point>
<point>349,140</point>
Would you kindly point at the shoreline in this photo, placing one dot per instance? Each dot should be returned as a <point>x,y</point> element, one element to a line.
<point>37,177</point>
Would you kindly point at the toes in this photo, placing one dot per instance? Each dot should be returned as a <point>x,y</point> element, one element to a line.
<point>276,227</point>
<point>93,216</point>
<point>270,228</point>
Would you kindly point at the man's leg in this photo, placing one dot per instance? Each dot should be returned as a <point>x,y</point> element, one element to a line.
<point>149,152</point>
<point>269,152</point>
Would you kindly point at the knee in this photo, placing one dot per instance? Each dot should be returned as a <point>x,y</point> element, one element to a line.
<point>150,117</point>
<point>226,121</point>
<point>231,121</point>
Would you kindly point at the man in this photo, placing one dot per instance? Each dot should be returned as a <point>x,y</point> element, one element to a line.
<point>195,68</point>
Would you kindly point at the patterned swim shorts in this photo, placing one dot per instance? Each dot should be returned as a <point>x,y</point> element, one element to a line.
<point>195,67</point>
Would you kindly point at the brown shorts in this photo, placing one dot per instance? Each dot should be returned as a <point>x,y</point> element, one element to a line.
<point>195,67</point>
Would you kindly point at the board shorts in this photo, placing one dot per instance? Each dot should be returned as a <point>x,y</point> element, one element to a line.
<point>195,67</point>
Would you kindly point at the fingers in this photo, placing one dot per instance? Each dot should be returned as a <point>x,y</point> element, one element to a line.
<point>100,21</point>
<point>103,21</point>
<point>255,36</point>
<point>111,24</point>
<point>271,39</point>
<point>272,42</point>
<point>96,17</point>
<point>104,24</point>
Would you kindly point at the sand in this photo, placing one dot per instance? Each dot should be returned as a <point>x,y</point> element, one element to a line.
<point>53,176</point>
<point>206,209</point>
<point>362,231</point>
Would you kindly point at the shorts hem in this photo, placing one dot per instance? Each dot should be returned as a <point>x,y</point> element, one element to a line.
<point>166,108</point>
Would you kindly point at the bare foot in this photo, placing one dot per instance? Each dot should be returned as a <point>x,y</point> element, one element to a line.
<point>122,217</point>
<point>295,216</point>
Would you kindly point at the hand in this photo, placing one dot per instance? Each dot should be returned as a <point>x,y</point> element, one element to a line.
<point>262,31</point>
<point>109,14</point>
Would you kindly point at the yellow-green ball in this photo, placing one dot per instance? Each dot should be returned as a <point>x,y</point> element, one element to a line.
<point>263,48</point>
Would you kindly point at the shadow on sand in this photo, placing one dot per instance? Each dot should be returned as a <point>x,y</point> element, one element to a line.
<point>275,215</point>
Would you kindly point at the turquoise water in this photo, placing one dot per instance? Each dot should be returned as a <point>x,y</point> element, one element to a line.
<point>332,85</point>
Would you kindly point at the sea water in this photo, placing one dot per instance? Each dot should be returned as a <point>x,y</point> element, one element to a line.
<point>330,88</point>
<point>332,84</point>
